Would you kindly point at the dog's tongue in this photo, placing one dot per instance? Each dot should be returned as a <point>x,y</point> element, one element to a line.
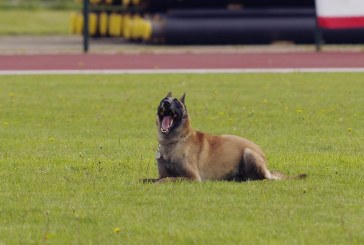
<point>167,122</point>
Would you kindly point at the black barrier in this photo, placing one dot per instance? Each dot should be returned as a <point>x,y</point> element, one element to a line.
<point>246,12</point>
<point>164,5</point>
<point>235,30</point>
<point>246,30</point>
<point>85,26</point>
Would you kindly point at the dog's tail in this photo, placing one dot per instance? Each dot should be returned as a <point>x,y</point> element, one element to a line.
<point>280,176</point>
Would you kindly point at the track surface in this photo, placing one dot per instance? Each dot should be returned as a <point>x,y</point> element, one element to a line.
<point>181,61</point>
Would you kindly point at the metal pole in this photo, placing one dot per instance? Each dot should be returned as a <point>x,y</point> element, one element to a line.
<point>85,25</point>
<point>318,37</point>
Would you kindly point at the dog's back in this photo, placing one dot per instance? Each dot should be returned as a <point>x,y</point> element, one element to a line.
<point>219,157</point>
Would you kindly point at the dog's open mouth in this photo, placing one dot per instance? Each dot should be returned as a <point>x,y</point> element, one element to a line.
<point>167,123</point>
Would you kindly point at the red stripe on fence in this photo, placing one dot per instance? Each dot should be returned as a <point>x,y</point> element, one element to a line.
<point>341,22</point>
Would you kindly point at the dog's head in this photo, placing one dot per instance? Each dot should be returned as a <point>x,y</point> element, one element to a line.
<point>171,114</point>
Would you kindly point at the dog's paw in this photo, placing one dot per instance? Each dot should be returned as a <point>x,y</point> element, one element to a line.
<point>164,180</point>
<point>148,181</point>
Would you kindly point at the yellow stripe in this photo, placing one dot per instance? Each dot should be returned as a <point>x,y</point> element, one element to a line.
<point>73,23</point>
<point>147,30</point>
<point>103,23</point>
<point>79,24</point>
<point>92,25</point>
<point>127,26</point>
<point>136,27</point>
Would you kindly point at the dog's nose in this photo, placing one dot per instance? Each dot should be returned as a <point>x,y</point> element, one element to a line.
<point>167,102</point>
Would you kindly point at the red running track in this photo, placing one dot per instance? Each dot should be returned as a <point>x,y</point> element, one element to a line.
<point>182,61</point>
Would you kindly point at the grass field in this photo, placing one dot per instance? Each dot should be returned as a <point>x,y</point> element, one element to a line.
<point>39,4</point>
<point>35,22</point>
<point>73,147</point>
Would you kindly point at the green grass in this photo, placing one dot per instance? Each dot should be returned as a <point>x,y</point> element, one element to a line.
<point>35,22</point>
<point>73,147</point>
<point>39,4</point>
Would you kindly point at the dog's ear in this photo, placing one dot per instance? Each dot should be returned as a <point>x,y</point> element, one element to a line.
<point>182,99</point>
<point>169,94</point>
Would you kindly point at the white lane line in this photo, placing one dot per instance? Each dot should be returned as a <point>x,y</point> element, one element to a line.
<point>176,71</point>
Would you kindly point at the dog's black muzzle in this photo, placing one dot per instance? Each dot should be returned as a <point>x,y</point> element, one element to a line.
<point>167,103</point>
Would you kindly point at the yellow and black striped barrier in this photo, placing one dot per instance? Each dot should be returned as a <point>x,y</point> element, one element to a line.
<point>130,27</point>
<point>193,23</point>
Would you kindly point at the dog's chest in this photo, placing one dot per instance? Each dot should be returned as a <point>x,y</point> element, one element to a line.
<point>171,161</point>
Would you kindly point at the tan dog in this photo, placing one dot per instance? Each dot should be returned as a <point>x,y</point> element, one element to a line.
<point>188,154</point>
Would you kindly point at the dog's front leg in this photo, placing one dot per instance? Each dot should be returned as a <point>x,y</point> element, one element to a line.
<point>172,179</point>
<point>191,175</point>
<point>148,180</point>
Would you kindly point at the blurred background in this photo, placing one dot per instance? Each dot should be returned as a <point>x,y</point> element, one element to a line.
<point>174,22</point>
<point>36,17</point>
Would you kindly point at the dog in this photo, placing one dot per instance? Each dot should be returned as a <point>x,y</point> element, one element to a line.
<point>187,154</point>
